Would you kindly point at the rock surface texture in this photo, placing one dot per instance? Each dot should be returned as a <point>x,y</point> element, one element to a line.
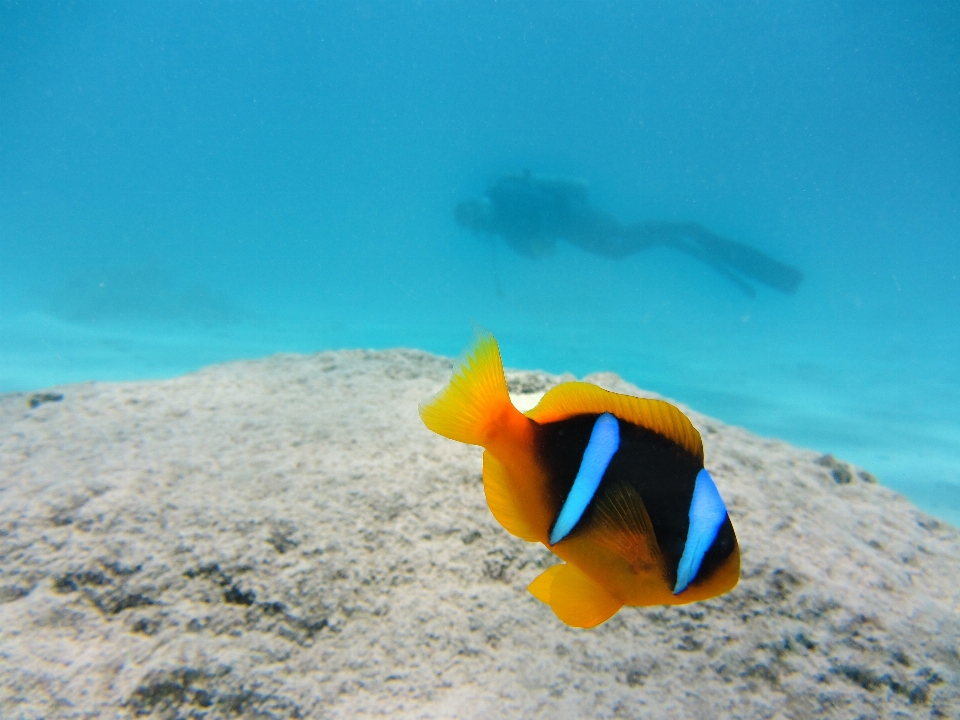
<point>284,539</point>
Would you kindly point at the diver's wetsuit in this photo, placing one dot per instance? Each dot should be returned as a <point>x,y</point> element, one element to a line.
<point>531,213</point>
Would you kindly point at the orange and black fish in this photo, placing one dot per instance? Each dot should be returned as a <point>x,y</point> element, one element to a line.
<point>613,484</point>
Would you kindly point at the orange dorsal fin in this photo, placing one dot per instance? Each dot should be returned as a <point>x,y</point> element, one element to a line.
<point>659,416</point>
<point>577,599</point>
<point>475,398</point>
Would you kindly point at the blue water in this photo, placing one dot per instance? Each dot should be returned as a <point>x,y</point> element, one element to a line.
<point>186,183</point>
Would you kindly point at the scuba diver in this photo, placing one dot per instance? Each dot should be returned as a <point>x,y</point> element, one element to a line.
<point>532,213</point>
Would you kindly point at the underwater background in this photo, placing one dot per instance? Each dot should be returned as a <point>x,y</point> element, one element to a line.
<point>187,183</point>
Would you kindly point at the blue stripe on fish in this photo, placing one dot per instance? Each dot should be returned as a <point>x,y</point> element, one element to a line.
<point>707,513</point>
<point>604,442</point>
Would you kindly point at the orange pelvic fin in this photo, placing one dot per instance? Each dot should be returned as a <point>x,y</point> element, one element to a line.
<point>576,599</point>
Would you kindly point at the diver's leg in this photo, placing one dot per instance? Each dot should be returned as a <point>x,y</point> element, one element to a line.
<point>707,259</point>
<point>646,235</point>
<point>608,238</point>
<point>745,259</point>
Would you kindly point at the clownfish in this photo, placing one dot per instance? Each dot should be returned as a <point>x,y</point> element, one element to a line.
<point>612,484</point>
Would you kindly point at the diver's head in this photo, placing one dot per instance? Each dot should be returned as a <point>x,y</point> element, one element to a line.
<point>476,215</point>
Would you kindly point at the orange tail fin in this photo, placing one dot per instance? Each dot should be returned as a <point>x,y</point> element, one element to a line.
<point>475,399</point>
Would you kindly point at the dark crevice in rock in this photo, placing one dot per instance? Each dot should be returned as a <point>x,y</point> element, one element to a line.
<point>917,693</point>
<point>297,629</point>
<point>187,692</point>
<point>103,590</point>
<point>9,593</point>
<point>38,399</point>
<point>235,596</point>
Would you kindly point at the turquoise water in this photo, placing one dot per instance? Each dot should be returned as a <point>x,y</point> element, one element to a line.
<point>183,184</point>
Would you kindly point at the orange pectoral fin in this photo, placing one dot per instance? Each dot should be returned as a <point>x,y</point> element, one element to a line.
<point>575,598</point>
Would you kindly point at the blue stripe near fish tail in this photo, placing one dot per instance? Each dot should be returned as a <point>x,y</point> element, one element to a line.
<point>604,443</point>
<point>707,514</point>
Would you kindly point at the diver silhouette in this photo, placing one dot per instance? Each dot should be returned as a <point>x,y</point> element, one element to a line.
<point>532,213</point>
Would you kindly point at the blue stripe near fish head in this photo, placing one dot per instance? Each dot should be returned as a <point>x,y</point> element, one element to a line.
<point>707,514</point>
<point>604,443</point>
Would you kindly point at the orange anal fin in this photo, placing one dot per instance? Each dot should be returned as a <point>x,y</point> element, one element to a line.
<point>576,599</point>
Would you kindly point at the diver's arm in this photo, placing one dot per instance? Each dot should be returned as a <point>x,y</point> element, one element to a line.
<point>727,257</point>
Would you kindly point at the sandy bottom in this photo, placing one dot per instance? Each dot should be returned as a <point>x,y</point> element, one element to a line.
<point>283,538</point>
